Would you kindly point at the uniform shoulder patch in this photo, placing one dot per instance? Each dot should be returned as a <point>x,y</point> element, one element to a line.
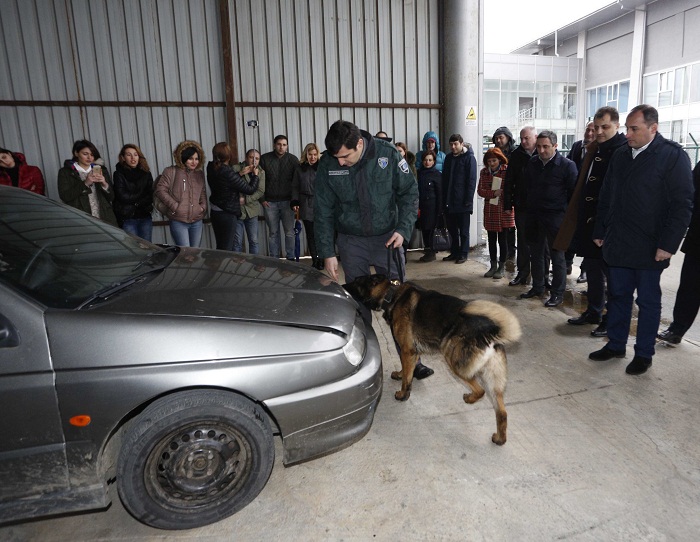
<point>383,161</point>
<point>404,165</point>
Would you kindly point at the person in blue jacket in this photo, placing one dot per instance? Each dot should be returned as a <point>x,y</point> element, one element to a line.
<point>431,142</point>
<point>644,210</point>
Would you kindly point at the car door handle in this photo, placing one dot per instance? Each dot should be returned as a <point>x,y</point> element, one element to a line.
<point>9,337</point>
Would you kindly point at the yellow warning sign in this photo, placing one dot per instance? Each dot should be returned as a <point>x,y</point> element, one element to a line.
<point>472,114</point>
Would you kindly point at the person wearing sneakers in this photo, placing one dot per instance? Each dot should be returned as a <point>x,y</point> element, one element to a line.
<point>644,209</point>
<point>497,220</point>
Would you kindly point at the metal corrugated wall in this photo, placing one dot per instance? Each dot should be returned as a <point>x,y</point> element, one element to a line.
<point>151,72</point>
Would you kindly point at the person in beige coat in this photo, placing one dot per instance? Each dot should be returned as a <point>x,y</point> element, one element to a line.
<point>182,191</point>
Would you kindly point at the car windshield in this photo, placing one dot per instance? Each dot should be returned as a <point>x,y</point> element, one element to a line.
<point>63,257</point>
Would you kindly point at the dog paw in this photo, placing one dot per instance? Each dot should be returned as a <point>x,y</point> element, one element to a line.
<point>471,398</point>
<point>498,440</point>
<point>396,375</point>
<point>402,396</point>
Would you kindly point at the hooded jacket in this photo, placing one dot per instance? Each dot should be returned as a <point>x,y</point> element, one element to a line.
<point>303,185</point>
<point>377,195</point>
<point>72,190</point>
<point>440,155</point>
<point>508,150</point>
<point>645,204</point>
<point>30,177</point>
<point>252,208</point>
<point>183,191</point>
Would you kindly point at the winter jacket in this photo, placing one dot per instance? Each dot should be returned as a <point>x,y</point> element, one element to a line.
<point>29,177</point>
<point>459,181</point>
<point>252,208</point>
<point>576,153</point>
<point>378,195</point>
<point>508,150</point>
<point>72,190</point>
<point>549,189</point>
<point>439,163</point>
<point>515,191</point>
<point>645,204</point>
<point>303,190</point>
<point>495,217</point>
<point>429,197</point>
<point>181,190</point>
<point>226,187</point>
<point>691,245</point>
<point>577,228</point>
<point>133,193</point>
<point>279,171</point>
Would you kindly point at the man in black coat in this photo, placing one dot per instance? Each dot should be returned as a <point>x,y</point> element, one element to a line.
<point>578,149</point>
<point>515,197</point>
<point>458,186</point>
<point>581,214</point>
<point>644,209</point>
<point>688,296</point>
<point>550,180</point>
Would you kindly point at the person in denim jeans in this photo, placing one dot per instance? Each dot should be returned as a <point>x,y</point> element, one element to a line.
<point>279,166</point>
<point>133,192</point>
<point>250,206</point>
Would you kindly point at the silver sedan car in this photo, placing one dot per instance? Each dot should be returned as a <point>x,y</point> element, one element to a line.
<point>166,370</point>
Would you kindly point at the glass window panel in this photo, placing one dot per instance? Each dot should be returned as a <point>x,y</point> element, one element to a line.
<point>591,102</point>
<point>544,86</point>
<point>624,97</point>
<point>491,84</point>
<point>651,90</point>
<point>665,98</point>
<point>665,128</point>
<point>509,104</point>
<point>526,86</point>
<point>560,73</point>
<point>695,83</point>
<point>509,85</point>
<point>678,86</point>
<point>491,104</point>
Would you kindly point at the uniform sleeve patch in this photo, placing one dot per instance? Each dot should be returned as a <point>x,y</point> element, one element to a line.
<point>383,162</point>
<point>403,165</point>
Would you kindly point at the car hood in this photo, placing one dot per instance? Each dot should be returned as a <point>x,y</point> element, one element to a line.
<point>218,284</point>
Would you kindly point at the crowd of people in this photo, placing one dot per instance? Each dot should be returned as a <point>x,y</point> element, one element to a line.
<point>621,202</point>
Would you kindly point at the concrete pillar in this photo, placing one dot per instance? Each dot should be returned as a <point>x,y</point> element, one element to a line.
<point>462,83</point>
<point>581,115</point>
<point>637,60</point>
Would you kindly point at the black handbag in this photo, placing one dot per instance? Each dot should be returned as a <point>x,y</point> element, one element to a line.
<point>442,240</point>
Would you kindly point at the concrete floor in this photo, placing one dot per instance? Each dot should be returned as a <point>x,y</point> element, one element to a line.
<point>592,453</point>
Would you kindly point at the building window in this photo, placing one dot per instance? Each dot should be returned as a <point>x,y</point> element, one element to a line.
<point>614,95</point>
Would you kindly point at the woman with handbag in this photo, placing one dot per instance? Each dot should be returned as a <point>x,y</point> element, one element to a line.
<point>429,203</point>
<point>497,221</point>
<point>182,191</point>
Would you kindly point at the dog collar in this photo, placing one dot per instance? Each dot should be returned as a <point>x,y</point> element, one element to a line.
<point>389,296</point>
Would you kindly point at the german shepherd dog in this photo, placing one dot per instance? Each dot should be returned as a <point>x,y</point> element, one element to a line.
<point>469,334</point>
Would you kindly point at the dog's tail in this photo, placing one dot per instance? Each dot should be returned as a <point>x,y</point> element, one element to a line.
<point>509,326</point>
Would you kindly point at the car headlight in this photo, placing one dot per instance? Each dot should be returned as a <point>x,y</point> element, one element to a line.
<point>355,348</point>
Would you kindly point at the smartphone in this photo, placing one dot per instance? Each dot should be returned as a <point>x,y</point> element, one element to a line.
<point>97,170</point>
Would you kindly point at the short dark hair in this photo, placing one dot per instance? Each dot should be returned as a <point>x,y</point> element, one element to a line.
<point>188,153</point>
<point>84,143</point>
<point>456,137</point>
<point>607,110</point>
<point>548,134</point>
<point>342,133</point>
<point>651,115</point>
<point>279,137</point>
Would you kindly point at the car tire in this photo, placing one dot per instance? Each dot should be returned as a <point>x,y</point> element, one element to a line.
<point>194,458</point>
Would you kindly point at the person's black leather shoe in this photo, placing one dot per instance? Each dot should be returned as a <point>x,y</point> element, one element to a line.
<point>531,293</point>
<point>605,354</point>
<point>554,301</point>
<point>518,280</point>
<point>602,329</point>
<point>585,318</point>
<point>461,259</point>
<point>422,371</point>
<point>670,337</point>
<point>450,258</point>
<point>638,365</point>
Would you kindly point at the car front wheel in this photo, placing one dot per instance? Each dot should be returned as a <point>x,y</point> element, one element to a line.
<point>194,458</point>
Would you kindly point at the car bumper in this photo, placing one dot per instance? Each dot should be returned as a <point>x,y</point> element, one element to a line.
<point>332,416</point>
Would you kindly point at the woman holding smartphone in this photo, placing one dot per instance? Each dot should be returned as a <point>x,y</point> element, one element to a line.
<point>85,185</point>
